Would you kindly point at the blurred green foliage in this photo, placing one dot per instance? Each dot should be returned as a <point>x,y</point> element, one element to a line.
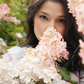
<point>18,9</point>
<point>8,30</point>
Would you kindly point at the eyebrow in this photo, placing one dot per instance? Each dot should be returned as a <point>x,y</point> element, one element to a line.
<point>48,14</point>
<point>44,12</point>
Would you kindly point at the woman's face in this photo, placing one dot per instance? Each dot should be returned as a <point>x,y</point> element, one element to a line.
<point>50,14</point>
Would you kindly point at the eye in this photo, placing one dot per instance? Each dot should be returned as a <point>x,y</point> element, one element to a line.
<point>61,20</point>
<point>43,17</point>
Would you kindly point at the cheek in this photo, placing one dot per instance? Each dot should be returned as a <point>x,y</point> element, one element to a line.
<point>61,29</point>
<point>38,28</point>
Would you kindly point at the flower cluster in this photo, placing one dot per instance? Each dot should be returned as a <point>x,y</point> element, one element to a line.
<point>39,63</point>
<point>52,44</point>
<point>77,9</point>
<point>4,10</point>
<point>8,73</point>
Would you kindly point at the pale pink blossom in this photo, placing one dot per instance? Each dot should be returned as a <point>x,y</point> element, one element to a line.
<point>4,14</point>
<point>19,21</point>
<point>76,7</point>
<point>11,19</point>
<point>4,9</point>
<point>37,63</point>
<point>51,43</point>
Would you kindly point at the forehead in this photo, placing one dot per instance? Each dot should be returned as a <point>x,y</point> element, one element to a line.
<point>52,7</point>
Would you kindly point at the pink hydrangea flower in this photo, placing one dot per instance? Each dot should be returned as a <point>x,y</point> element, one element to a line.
<point>4,10</point>
<point>77,9</point>
<point>52,44</point>
<point>37,63</point>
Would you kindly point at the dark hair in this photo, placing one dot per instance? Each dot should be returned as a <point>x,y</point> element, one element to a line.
<point>71,36</point>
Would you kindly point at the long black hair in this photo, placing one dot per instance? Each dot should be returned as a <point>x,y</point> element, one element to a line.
<point>71,35</point>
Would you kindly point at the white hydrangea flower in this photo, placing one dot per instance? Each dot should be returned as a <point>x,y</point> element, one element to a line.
<point>8,72</point>
<point>37,63</point>
<point>19,35</point>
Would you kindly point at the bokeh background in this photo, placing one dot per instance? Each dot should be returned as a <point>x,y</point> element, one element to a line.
<point>13,23</point>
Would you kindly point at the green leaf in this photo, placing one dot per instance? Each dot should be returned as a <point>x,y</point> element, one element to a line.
<point>65,73</point>
<point>18,29</point>
<point>19,16</point>
<point>14,43</point>
<point>12,34</point>
<point>8,30</point>
<point>1,55</point>
<point>73,82</point>
<point>2,1</point>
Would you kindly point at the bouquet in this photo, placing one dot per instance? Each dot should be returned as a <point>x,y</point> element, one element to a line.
<point>39,63</point>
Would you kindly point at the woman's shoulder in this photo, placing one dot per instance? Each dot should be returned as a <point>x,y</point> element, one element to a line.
<point>16,52</point>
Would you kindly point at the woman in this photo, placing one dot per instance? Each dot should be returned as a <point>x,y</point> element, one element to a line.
<point>55,13</point>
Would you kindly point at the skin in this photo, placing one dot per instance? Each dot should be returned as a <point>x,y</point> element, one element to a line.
<point>50,14</point>
<point>82,57</point>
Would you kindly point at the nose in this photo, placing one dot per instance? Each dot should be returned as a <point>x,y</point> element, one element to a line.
<point>52,24</point>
